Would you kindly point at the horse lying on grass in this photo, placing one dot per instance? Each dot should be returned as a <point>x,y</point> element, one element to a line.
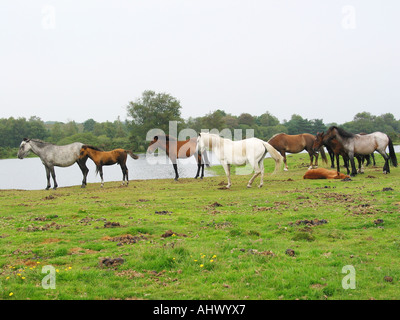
<point>322,173</point>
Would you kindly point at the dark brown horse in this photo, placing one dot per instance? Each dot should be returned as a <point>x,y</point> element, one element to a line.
<point>296,143</point>
<point>107,158</point>
<point>179,150</point>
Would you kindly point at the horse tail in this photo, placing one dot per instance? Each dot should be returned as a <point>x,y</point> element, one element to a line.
<point>134,156</point>
<point>392,154</point>
<point>275,155</point>
<point>323,155</point>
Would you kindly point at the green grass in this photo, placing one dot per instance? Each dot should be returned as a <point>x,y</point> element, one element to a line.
<point>233,251</point>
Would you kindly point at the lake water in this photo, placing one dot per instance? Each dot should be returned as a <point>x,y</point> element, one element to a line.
<point>30,174</point>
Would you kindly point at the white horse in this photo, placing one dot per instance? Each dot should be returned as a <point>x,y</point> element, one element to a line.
<point>52,155</point>
<point>228,152</point>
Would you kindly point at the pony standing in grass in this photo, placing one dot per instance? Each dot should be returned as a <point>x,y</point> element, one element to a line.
<point>288,143</point>
<point>179,150</point>
<point>228,152</point>
<point>363,144</point>
<point>54,156</point>
<point>107,158</point>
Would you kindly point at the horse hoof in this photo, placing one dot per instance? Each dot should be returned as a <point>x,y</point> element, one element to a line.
<point>285,169</point>
<point>83,186</point>
<point>260,186</point>
<point>248,186</point>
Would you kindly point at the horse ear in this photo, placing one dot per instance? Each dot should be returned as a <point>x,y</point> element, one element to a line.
<point>26,139</point>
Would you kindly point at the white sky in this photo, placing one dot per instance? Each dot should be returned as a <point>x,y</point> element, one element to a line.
<point>309,57</point>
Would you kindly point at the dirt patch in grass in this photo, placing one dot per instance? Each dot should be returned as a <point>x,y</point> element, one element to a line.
<point>170,233</point>
<point>126,239</point>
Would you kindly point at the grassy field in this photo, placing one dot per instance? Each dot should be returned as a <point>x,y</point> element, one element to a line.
<point>193,239</point>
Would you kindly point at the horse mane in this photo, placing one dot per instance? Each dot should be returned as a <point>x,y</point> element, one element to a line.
<point>40,143</point>
<point>343,133</point>
<point>91,147</point>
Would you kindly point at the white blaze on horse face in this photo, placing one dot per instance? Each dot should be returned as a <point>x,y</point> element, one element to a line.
<point>24,148</point>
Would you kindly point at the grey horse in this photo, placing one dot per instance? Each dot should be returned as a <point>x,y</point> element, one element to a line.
<point>54,156</point>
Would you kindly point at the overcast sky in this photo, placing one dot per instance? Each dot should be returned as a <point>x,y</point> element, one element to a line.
<point>74,60</point>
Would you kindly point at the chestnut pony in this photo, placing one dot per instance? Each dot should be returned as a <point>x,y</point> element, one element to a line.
<point>179,150</point>
<point>296,143</point>
<point>322,173</point>
<point>107,158</point>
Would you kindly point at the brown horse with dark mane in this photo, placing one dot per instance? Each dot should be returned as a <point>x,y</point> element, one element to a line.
<point>296,143</point>
<point>179,150</point>
<point>107,158</point>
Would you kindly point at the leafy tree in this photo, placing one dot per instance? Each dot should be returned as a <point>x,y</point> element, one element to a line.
<point>246,118</point>
<point>88,125</point>
<point>152,111</point>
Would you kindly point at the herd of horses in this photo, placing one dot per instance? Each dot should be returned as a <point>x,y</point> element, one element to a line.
<point>337,142</point>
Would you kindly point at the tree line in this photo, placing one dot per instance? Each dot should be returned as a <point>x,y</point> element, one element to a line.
<point>155,110</point>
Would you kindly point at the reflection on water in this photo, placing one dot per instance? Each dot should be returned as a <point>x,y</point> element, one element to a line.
<point>30,174</point>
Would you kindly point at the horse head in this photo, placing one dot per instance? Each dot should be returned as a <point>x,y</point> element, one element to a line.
<point>201,145</point>
<point>83,152</point>
<point>24,148</point>
<point>153,145</point>
<point>318,142</point>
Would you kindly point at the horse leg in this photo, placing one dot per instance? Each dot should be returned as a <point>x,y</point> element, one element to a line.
<point>312,155</point>
<point>200,166</point>
<point>85,171</point>
<point>48,178</point>
<point>353,165</point>
<point>227,168</point>
<point>284,160</point>
<point>100,169</point>
<point>316,160</point>
<point>360,160</point>
<point>338,163</point>
<point>386,167</point>
<point>124,170</point>
<point>332,155</point>
<point>346,164</point>
<point>176,171</point>
<point>257,172</point>
<point>261,166</point>
<point>53,175</point>
<point>198,159</point>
